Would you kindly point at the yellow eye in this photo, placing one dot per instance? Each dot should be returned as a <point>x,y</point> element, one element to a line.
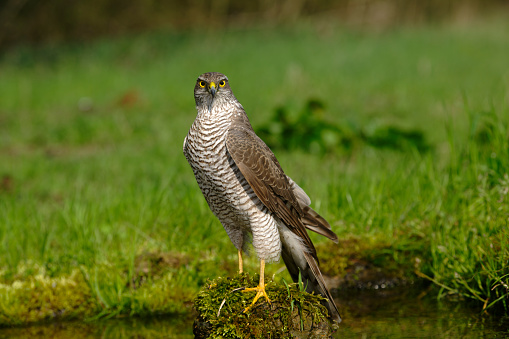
<point>222,83</point>
<point>202,84</point>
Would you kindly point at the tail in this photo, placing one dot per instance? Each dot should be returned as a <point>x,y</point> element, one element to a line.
<point>297,259</point>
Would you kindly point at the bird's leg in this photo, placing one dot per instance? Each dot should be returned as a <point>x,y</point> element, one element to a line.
<point>260,289</point>
<point>241,264</point>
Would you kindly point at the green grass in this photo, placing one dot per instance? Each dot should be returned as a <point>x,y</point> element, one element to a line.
<point>93,180</point>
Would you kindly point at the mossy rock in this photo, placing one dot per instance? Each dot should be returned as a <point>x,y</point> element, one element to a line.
<point>292,313</point>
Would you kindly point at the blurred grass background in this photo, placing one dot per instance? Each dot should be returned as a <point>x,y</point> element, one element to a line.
<point>399,134</point>
<point>57,20</point>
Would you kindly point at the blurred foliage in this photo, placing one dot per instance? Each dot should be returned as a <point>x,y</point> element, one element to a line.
<point>393,137</point>
<point>57,20</point>
<point>311,132</point>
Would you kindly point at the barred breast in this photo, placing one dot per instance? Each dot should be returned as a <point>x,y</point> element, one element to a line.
<point>226,191</point>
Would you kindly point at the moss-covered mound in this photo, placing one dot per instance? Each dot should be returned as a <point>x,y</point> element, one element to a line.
<point>292,313</point>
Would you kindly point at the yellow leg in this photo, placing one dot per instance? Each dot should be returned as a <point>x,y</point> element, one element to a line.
<point>260,289</point>
<point>241,265</point>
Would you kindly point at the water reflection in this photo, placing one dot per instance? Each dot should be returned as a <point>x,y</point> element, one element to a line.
<point>380,314</point>
<point>408,314</point>
<point>154,327</point>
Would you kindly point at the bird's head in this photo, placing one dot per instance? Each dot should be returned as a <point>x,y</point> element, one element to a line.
<point>210,87</point>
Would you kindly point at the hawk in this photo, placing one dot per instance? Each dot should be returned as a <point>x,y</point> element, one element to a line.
<point>248,191</point>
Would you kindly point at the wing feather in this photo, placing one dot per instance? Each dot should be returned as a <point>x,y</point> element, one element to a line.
<point>262,171</point>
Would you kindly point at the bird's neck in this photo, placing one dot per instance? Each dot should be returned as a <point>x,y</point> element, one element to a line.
<point>216,111</point>
<point>217,118</point>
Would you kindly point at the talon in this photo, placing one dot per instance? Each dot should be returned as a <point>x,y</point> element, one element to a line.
<point>260,289</point>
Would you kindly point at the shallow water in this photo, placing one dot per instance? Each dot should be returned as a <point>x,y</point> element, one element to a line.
<point>385,314</point>
<point>404,314</point>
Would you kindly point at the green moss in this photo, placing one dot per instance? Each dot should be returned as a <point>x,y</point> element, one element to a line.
<point>40,298</point>
<point>32,295</point>
<point>221,304</point>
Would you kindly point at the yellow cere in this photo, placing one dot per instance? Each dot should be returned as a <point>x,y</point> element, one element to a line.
<point>212,84</point>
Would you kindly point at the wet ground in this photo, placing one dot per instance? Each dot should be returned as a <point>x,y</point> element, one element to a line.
<point>396,313</point>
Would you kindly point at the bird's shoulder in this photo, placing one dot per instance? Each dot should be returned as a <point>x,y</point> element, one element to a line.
<point>246,146</point>
<point>259,165</point>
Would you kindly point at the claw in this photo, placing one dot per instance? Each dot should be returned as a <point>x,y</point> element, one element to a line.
<point>260,289</point>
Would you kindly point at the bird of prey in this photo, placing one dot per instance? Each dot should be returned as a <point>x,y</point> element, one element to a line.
<point>247,190</point>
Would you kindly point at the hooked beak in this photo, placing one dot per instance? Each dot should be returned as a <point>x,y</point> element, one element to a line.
<point>212,89</point>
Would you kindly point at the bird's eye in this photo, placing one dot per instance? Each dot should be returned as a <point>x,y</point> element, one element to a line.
<point>202,84</point>
<point>222,83</point>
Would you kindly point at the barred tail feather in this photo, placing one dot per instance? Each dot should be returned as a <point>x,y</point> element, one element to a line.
<point>299,260</point>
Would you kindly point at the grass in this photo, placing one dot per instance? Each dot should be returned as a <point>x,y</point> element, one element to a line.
<point>97,200</point>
